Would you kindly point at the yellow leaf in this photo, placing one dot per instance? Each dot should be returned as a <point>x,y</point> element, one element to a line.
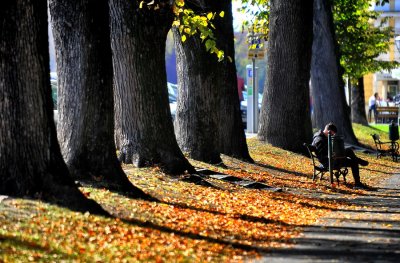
<point>209,16</point>
<point>176,23</point>
<point>141,4</point>
<point>183,38</point>
<point>222,14</point>
<point>180,3</point>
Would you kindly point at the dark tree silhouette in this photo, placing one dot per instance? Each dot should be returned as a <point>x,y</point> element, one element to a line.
<point>86,105</point>
<point>329,102</point>
<point>285,115</point>
<point>208,114</point>
<point>30,159</point>
<point>144,128</point>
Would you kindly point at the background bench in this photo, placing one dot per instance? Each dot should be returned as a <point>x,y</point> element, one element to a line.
<point>386,114</point>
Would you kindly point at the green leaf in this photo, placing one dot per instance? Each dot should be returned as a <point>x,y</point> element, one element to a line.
<point>209,44</point>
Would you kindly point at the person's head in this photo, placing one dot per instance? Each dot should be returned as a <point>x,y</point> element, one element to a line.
<point>330,128</point>
<point>376,95</point>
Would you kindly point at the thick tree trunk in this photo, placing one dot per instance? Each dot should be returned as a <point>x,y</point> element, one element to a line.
<point>285,115</point>
<point>85,89</point>
<point>30,159</point>
<point>232,137</point>
<point>143,118</point>
<point>327,88</point>
<point>208,114</point>
<point>358,114</point>
<point>196,115</point>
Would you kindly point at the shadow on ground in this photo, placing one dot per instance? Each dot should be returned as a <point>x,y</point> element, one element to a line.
<point>368,233</point>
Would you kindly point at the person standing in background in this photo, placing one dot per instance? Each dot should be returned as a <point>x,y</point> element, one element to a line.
<point>372,103</point>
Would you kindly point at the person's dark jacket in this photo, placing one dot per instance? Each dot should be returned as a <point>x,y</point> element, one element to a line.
<point>320,142</point>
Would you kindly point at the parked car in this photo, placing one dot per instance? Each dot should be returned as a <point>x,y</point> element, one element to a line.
<point>172,90</point>
<point>243,106</point>
<point>53,83</point>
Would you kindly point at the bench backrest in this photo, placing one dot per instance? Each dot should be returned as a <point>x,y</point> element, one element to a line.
<point>311,151</point>
<point>393,110</point>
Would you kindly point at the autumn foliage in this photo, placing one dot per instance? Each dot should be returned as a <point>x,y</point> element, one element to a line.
<point>190,223</point>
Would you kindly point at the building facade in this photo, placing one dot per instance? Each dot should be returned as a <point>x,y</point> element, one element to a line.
<point>387,84</point>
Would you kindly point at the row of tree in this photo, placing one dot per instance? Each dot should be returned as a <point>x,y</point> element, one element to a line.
<point>111,72</point>
<point>113,90</point>
<point>331,39</point>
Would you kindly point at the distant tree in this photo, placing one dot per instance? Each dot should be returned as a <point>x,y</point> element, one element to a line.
<point>285,114</point>
<point>145,133</point>
<point>345,44</point>
<point>360,42</point>
<point>85,88</point>
<point>30,159</point>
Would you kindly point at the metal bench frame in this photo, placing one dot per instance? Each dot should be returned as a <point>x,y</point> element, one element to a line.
<point>387,148</point>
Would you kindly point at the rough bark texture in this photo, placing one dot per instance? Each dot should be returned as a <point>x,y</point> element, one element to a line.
<point>196,124</point>
<point>285,115</point>
<point>329,102</point>
<point>358,114</point>
<point>85,91</point>
<point>30,159</point>
<point>143,119</point>
<point>208,114</point>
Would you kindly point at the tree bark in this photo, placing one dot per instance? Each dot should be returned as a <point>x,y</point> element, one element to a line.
<point>232,137</point>
<point>143,119</point>
<point>208,114</point>
<point>85,89</point>
<point>327,88</point>
<point>285,114</point>
<point>30,159</point>
<point>196,115</point>
<point>358,114</point>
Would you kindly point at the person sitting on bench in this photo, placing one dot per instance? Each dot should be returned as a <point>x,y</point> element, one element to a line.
<point>320,142</point>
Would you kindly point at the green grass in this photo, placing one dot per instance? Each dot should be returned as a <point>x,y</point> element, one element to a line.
<point>363,133</point>
<point>381,127</point>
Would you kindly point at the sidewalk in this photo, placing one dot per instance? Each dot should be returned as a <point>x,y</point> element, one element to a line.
<point>368,233</point>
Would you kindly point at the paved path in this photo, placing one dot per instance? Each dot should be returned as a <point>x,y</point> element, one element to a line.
<point>371,234</point>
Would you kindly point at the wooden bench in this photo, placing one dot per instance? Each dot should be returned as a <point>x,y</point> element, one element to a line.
<point>319,169</point>
<point>386,114</point>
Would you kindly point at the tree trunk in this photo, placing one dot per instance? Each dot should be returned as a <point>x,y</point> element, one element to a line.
<point>30,159</point>
<point>358,114</point>
<point>232,137</point>
<point>327,88</point>
<point>208,114</point>
<point>85,89</point>
<point>196,114</point>
<point>285,115</point>
<point>143,118</point>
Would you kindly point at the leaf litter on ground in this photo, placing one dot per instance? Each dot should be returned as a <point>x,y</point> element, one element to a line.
<point>190,223</point>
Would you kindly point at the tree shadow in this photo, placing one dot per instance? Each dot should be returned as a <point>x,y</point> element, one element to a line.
<point>281,170</point>
<point>198,236</point>
<point>20,245</point>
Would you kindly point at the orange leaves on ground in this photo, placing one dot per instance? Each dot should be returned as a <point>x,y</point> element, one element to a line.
<point>190,223</point>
